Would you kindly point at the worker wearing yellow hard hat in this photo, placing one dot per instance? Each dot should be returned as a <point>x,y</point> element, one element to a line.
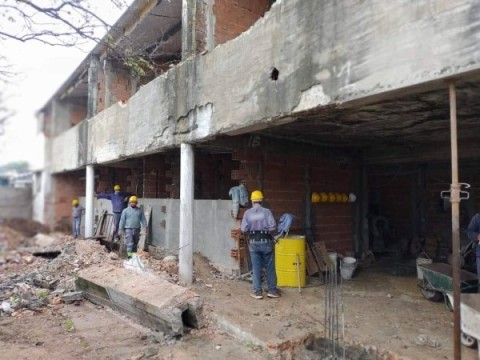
<point>77,212</point>
<point>257,224</point>
<point>119,202</point>
<point>131,222</point>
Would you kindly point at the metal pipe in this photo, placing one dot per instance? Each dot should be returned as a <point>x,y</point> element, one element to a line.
<point>298,273</point>
<point>455,200</point>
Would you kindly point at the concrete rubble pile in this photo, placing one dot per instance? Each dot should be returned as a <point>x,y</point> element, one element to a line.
<point>39,272</point>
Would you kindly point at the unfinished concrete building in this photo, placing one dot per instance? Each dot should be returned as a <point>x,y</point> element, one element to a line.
<point>290,97</point>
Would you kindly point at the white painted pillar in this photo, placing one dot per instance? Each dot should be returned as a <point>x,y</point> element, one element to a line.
<point>187,174</point>
<point>89,194</point>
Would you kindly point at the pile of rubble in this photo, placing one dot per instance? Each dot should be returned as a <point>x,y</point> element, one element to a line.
<point>39,272</point>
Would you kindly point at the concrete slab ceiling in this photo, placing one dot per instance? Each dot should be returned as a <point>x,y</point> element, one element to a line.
<point>156,35</point>
<point>417,117</point>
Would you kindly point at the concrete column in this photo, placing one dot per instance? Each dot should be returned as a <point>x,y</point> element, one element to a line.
<point>187,174</point>
<point>108,74</point>
<point>209,25</point>
<point>89,194</point>
<point>188,28</point>
<point>93,86</point>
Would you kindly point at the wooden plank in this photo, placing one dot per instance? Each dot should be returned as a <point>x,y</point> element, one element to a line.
<point>101,220</point>
<point>318,258</point>
<point>142,242</point>
<point>322,249</point>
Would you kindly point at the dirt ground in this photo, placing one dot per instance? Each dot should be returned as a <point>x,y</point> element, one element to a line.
<point>384,313</point>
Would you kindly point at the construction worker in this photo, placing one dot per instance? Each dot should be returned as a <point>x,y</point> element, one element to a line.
<point>119,203</point>
<point>131,221</point>
<point>258,223</point>
<point>77,212</point>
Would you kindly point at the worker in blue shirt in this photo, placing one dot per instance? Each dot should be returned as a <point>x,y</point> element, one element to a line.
<point>473,233</point>
<point>257,224</point>
<point>119,203</point>
<point>131,221</point>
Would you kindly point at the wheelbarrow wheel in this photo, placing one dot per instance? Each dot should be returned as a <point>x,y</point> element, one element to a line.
<point>428,294</point>
<point>468,340</point>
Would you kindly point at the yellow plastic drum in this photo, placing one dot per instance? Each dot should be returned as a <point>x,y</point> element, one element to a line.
<point>287,251</point>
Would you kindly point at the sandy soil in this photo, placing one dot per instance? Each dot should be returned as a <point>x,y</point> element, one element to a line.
<point>385,316</point>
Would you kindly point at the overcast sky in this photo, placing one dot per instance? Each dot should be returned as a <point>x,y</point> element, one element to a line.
<point>41,70</point>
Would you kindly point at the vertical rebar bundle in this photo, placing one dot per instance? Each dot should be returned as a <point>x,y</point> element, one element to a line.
<point>334,316</point>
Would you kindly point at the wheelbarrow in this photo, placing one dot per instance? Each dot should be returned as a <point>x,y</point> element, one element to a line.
<point>470,319</point>
<point>438,281</point>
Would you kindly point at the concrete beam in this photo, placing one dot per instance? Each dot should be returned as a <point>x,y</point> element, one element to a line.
<point>148,299</point>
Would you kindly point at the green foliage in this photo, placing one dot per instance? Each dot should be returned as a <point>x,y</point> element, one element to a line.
<point>19,166</point>
<point>138,64</point>
<point>42,294</point>
<point>69,325</point>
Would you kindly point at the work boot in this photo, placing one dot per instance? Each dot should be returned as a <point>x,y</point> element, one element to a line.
<point>257,295</point>
<point>273,294</point>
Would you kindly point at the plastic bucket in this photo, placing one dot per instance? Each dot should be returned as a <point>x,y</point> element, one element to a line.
<point>422,261</point>
<point>287,251</point>
<point>347,267</point>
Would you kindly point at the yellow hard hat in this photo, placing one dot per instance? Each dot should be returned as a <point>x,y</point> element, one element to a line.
<point>256,195</point>
<point>323,197</point>
<point>315,198</point>
<point>116,188</point>
<point>75,202</point>
<point>133,199</point>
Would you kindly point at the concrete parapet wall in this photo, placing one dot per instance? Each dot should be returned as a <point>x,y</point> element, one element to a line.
<point>212,226</point>
<point>16,203</point>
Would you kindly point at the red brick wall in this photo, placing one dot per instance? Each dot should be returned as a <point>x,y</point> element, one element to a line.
<point>439,222</point>
<point>212,175</point>
<point>394,194</point>
<point>77,114</point>
<point>154,179</point>
<point>108,177</point>
<point>233,17</point>
<point>394,197</point>
<point>67,187</point>
<point>120,88</point>
<point>281,176</point>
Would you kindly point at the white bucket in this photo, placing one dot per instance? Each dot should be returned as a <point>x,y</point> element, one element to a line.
<point>347,267</point>
<point>422,261</point>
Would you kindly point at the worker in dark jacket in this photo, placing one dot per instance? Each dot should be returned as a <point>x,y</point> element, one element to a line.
<point>473,233</point>
<point>258,223</point>
<point>119,203</point>
<point>132,220</point>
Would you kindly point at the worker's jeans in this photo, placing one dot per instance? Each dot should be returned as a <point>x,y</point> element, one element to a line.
<point>131,239</point>
<point>116,221</point>
<point>262,255</point>
<point>76,226</point>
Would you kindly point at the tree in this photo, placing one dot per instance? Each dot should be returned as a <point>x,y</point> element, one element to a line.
<point>51,22</point>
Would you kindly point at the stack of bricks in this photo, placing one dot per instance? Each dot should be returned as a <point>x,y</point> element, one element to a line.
<point>239,251</point>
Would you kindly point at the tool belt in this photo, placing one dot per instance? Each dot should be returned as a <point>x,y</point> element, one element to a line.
<point>260,236</point>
